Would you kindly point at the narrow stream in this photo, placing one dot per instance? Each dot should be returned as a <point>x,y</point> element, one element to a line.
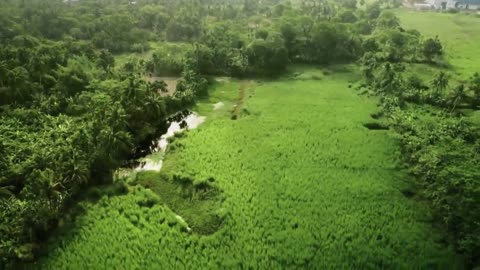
<point>183,121</point>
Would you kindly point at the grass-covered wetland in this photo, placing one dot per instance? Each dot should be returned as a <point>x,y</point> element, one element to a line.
<point>238,135</point>
<point>304,184</point>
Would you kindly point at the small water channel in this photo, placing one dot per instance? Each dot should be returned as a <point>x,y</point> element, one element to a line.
<point>149,156</point>
<point>196,206</point>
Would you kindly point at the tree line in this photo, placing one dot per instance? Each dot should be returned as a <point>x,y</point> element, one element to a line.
<point>440,146</point>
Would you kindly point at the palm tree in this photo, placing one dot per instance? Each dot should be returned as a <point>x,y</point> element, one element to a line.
<point>440,84</point>
<point>458,95</point>
<point>131,91</point>
<point>388,81</point>
<point>49,186</point>
<point>114,144</point>
<point>5,192</point>
<point>155,106</point>
<point>17,76</point>
<point>3,72</point>
<point>16,79</point>
<point>38,66</point>
<point>370,64</point>
<point>75,171</point>
<point>474,87</point>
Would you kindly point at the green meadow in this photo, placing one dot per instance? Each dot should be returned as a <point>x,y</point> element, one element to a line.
<point>459,34</point>
<point>460,37</point>
<point>294,180</point>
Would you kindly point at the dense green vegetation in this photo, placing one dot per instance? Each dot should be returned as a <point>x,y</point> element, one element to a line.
<point>434,116</point>
<point>294,196</point>
<point>339,135</point>
<point>68,119</point>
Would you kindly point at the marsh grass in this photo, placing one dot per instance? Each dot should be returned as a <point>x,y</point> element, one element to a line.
<point>197,202</point>
<point>303,183</point>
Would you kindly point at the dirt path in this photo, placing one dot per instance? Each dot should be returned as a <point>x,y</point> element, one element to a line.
<point>237,108</point>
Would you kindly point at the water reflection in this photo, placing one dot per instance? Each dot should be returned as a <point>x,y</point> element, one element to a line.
<point>182,121</point>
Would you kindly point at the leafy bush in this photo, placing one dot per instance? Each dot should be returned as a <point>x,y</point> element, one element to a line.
<point>168,60</point>
<point>442,153</point>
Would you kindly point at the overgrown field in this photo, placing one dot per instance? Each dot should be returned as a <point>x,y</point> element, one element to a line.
<point>303,185</point>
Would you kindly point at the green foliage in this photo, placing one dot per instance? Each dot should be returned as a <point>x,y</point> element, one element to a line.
<point>439,148</point>
<point>442,153</point>
<point>388,20</point>
<point>67,121</point>
<point>40,181</point>
<point>347,16</point>
<point>396,45</point>
<point>305,185</point>
<point>474,87</point>
<point>439,84</point>
<point>153,17</point>
<point>392,43</point>
<point>69,117</point>
<point>373,11</point>
<point>185,26</point>
<point>432,48</point>
<point>219,48</point>
<point>130,223</point>
<point>198,202</point>
<point>169,59</point>
<point>192,82</point>
<point>268,56</point>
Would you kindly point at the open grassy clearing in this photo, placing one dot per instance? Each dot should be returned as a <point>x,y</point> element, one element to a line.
<point>304,185</point>
<point>459,34</point>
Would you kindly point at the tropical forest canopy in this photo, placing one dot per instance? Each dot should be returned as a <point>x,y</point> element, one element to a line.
<point>79,100</point>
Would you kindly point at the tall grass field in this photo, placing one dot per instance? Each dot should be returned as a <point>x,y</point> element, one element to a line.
<point>302,182</point>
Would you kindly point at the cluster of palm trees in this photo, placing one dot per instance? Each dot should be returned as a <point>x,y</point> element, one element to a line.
<point>66,122</point>
<point>442,149</point>
<point>386,79</point>
<point>466,94</point>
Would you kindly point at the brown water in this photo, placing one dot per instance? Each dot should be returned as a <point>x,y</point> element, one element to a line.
<point>170,81</point>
